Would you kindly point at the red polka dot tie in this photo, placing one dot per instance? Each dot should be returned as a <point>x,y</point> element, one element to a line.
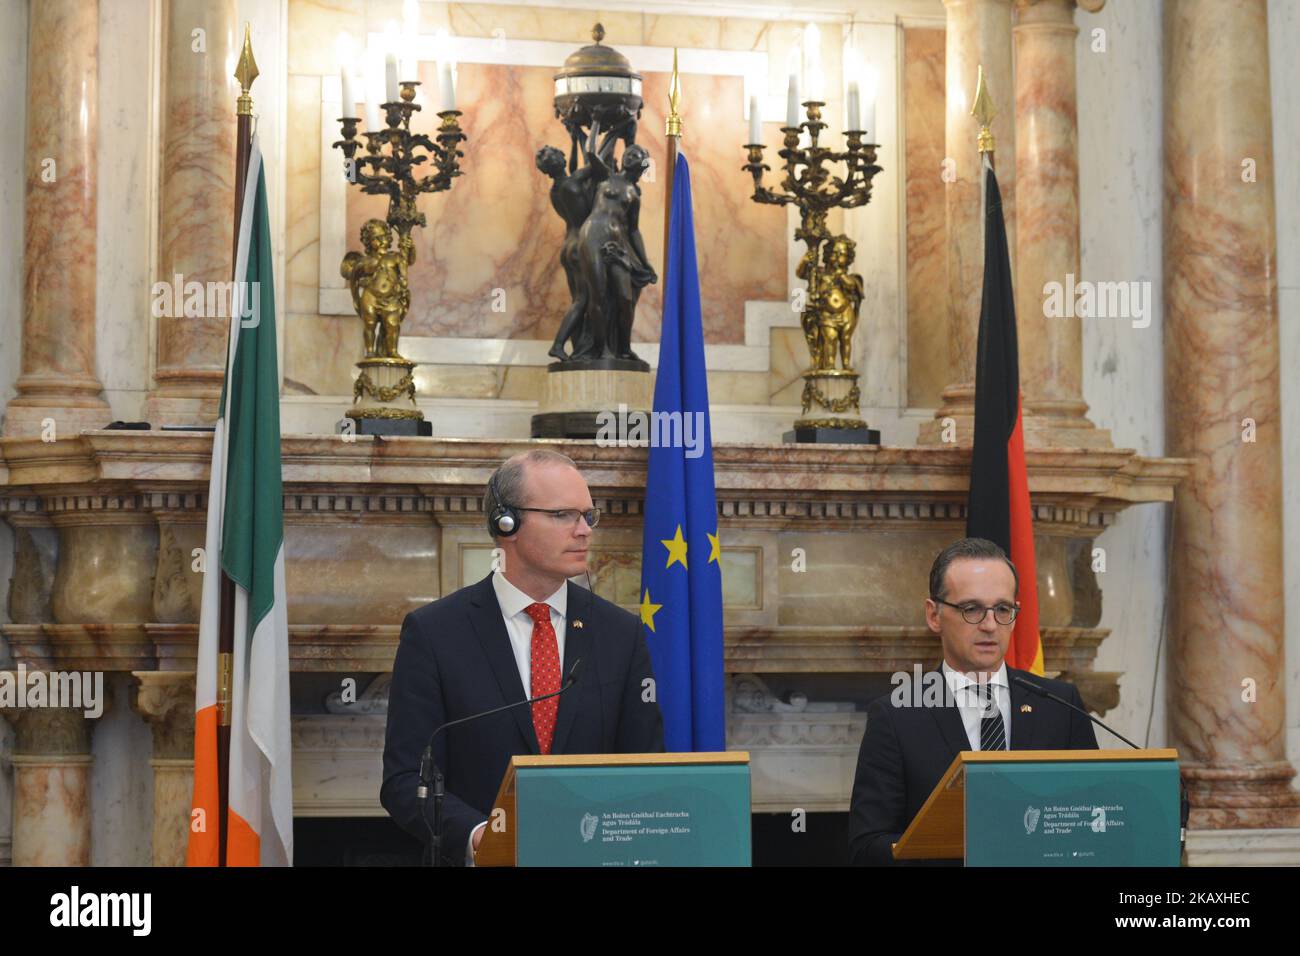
<point>545,674</point>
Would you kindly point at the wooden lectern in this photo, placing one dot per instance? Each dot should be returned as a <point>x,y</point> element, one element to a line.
<point>500,843</point>
<point>940,829</point>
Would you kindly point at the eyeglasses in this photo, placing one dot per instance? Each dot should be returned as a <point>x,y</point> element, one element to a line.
<point>973,613</point>
<point>568,517</point>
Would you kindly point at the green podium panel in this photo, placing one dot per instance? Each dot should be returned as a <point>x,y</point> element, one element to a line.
<point>633,816</point>
<point>1059,813</point>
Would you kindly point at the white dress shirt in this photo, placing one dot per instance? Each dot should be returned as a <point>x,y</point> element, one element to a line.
<point>967,698</point>
<point>519,628</point>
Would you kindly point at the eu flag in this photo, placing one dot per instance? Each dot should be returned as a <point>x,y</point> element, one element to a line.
<point>681,577</point>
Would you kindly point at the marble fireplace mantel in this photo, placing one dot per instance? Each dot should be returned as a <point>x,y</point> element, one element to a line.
<point>106,523</point>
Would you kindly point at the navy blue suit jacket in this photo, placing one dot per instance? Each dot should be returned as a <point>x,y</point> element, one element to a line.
<point>906,750</point>
<point>454,659</point>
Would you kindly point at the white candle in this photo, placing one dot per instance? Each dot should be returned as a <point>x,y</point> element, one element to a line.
<point>347,100</point>
<point>390,78</point>
<point>411,30</point>
<point>792,101</point>
<point>812,62</point>
<point>755,121</point>
<point>852,117</point>
<point>372,78</point>
<point>446,87</point>
<point>870,83</point>
<point>815,81</point>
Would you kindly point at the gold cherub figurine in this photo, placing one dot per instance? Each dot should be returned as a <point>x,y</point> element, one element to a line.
<point>378,280</point>
<point>834,296</point>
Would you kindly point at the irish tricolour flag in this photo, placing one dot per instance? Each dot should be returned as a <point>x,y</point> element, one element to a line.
<point>242,789</point>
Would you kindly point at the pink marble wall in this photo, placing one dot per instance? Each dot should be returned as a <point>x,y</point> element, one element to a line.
<point>496,229</point>
<point>927,281</point>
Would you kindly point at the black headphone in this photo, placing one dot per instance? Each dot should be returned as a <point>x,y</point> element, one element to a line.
<point>504,519</point>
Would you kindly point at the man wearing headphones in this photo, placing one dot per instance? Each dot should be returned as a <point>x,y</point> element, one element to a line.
<point>522,632</point>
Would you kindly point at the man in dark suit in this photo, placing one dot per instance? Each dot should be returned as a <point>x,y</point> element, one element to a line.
<point>514,635</point>
<point>913,736</point>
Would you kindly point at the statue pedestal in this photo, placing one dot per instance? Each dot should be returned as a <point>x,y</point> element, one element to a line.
<point>383,399</point>
<point>833,392</point>
<point>576,393</point>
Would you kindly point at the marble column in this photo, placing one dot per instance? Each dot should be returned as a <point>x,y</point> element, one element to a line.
<point>58,379</point>
<point>51,810</point>
<point>1047,223</point>
<point>1227,705</point>
<point>978,34</point>
<point>196,204</point>
<point>166,700</point>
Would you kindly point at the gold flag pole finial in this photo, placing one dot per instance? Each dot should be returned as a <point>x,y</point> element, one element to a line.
<point>673,124</point>
<point>246,73</point>
<point>982,110</point>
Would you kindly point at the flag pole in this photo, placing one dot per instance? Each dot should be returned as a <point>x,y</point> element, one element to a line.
<point>672,134</point>
<point>245,72</point>
<point>982,110</point>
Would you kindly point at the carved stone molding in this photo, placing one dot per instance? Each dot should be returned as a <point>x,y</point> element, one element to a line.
<point>41,732</point>
<point>879,649</point>
<point>82,647</point>
<point>165,699</point>
<point>796,730</point>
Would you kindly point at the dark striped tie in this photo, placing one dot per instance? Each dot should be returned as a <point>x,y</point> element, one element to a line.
<point>993,733</point>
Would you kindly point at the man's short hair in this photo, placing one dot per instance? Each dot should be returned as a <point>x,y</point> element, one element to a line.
<point>965,548</point>
<point>508,480</point>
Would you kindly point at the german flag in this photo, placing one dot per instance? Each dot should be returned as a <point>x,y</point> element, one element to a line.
<point>998,505</point>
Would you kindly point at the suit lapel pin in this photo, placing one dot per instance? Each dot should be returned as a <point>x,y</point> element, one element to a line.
<point>1026,709</point>
<point>578,625</point>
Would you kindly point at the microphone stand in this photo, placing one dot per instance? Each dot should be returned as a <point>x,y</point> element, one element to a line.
<point>430,773</point>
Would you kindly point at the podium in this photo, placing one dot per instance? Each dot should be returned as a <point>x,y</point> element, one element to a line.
<point>1051,808</point>
<point>686,809</point>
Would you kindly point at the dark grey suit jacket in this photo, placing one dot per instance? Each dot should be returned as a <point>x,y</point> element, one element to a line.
<point>454,659</point>
<point>906,750</point>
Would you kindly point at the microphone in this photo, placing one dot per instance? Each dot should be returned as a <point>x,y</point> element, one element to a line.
<point>429,772</point>
<point>1038,688</point>
<point>1184,806</point>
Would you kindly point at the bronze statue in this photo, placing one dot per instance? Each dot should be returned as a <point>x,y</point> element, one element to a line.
<point>598,197</point>
<point>378,280</point>
<point>834,296</point>
<point>572,196</point>
<point>612,255</point>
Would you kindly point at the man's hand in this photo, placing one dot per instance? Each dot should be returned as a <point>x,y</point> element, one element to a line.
<point>478,837</point>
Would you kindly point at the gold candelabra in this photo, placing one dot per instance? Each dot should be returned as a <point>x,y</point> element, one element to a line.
<point>378,275</point>
<point>830,310</point>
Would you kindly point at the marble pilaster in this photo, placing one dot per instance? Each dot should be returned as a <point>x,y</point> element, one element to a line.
<point>35,560</point>
<point>1223,411</point>
<point>196,203</point>
<point>51,802</point>
<point>1047,223</point>
<point>166,701</point>
<point>978,34</point>
<point>59,379</point>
